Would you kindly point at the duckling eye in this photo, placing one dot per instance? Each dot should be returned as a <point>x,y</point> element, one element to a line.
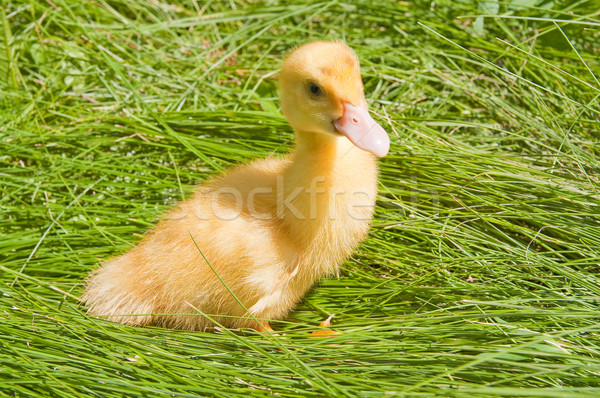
<point>314,89</point>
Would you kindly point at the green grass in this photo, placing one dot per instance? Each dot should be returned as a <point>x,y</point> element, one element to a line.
<point>479,277</point>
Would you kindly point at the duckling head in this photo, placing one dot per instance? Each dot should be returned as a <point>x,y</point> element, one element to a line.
<point>321,92</point>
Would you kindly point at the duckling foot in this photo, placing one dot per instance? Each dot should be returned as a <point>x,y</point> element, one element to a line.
<point>264,327</point>
<point>323,333</point>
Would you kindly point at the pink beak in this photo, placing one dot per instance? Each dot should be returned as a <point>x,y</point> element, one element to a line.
<point>364,132</point>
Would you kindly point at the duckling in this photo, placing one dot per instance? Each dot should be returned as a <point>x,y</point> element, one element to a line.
<point>246,247</point>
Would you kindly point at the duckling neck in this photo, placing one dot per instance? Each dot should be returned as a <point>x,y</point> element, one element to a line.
<point>325,173</point>
<point>315,155</point>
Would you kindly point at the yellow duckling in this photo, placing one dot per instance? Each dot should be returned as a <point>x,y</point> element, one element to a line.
<point>265,231</point>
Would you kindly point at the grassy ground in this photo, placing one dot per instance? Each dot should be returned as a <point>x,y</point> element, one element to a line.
<point>480,275</point>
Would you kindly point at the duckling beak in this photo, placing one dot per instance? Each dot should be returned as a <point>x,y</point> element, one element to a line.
<point>359,127</point>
